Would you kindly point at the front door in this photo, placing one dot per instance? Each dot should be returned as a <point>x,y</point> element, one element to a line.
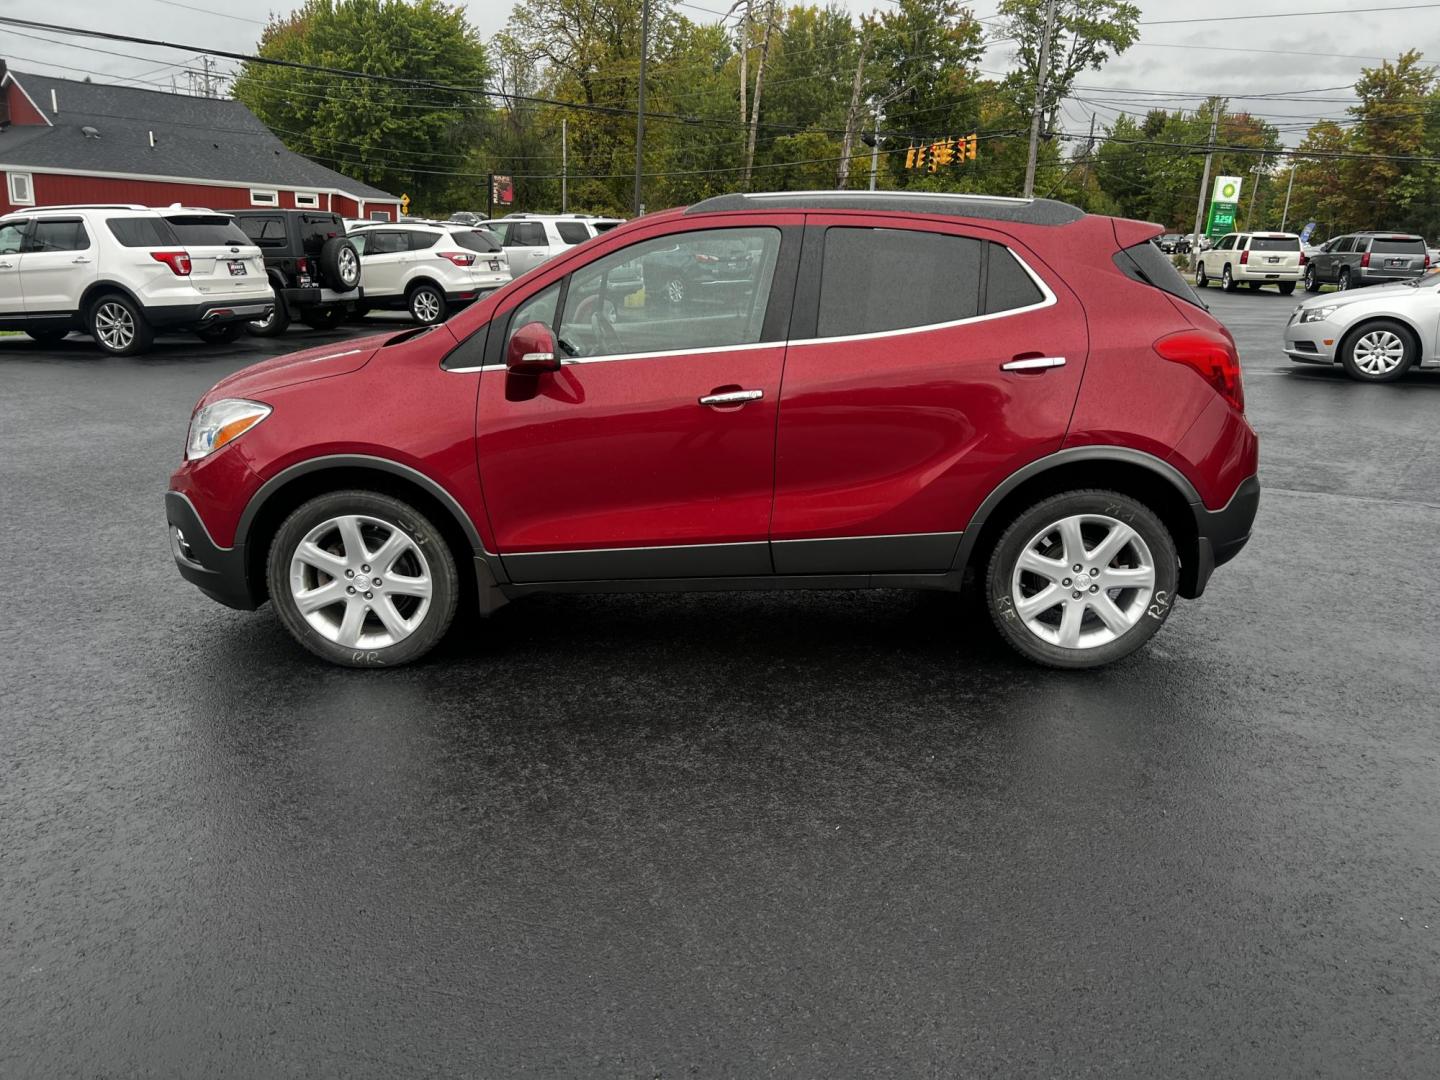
<point>12,298</point>
<point>926,365</point>
<point>650,453</point>
<point>382,260</point>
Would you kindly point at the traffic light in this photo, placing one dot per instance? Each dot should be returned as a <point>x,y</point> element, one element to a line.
<point>970,145</point>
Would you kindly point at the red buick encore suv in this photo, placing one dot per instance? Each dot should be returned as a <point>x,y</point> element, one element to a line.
<point>812,390</point>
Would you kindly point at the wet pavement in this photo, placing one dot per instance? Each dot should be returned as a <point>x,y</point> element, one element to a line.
<point>820,835</point>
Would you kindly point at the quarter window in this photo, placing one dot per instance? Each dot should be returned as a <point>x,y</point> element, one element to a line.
<point>419,241</point>
<point>67,235</point>
<point>1008,285</point>
<point>572,232</point>
<point>700,290</point>
<point>874,280</point>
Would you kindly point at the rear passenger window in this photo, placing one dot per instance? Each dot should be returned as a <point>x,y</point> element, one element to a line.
<point>59,236</point>
<point>874,280</point>
<point>141,231</point>
<point>264,231</point>
<point>419,241</point>
<point>572,232</point>
<point>1009,285</point>
<point>524,234</point>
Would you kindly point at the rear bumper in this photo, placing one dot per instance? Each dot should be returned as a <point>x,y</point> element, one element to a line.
<point>217,572</point>
<point>315,296</point>
<point>209,313</point>
<point>1370,275</point>
<point>1221,534</point>
<point>1247,272</point>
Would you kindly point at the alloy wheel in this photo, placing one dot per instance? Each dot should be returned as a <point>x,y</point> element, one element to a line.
<point>1379,352</point>
<point>114,326</point>
<point>675,290</point>
<point>425,306</point>
<point>349,266</point>
<point>360,582</point>
<point>1083,581</point>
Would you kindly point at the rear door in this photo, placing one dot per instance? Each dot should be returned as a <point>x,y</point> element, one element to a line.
<point>525,243</point>
<point>383,255</point>
<point>927,362</point>
<point>57,263</point>
<point>224,262</point>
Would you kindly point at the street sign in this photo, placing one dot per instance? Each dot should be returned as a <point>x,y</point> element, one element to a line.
<point>1224,202</point>
<point>1306,232</point>
<point>404,203</point>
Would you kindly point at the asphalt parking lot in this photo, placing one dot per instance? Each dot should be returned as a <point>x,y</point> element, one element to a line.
<point>815,835</point>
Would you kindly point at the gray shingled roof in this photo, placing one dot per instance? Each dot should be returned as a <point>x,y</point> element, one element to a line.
<point>200,138</point>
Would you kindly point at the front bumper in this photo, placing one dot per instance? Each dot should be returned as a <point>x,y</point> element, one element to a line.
<point>209,313</point>
<point>217,572</point>
<point>1312,342</point>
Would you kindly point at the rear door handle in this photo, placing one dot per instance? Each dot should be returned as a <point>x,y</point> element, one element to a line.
<point>732,397</point>
<point>1033,363</point>
<point>81,259</point>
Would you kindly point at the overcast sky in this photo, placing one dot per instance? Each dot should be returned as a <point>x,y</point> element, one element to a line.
<point>1219,57</point>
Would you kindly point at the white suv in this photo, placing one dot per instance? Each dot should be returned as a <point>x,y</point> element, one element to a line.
<point>533,238</point>
<point>122,272</point>
<point>429,270</point>
<point>1261,258</point>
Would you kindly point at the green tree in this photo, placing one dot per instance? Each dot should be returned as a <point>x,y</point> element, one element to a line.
<point>412,135</point>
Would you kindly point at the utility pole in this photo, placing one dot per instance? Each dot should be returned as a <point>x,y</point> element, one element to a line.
<point>564,164</point>
<point>852,118</point>
<point>875,150</point>
<point>759,83</point>
<point>640,111</point>
<point>1040,79</point>
<point>1285,216</point>
<point>744,55</point>
<point>1217,105</point>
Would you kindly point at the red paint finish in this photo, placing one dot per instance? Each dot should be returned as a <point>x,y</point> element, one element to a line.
<point>908,432</point>
<point>22,113</point>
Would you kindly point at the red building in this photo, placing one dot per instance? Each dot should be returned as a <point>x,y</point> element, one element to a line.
<point>63,141</point>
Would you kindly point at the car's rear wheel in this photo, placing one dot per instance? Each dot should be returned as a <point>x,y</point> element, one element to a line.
<point>48,337</point>
<point>1380,351</point>
<point>1082,579</point>
<point>273,325</point>
<point>427,304</point>
<point>1312,280</point>
<point>220,335</point>
<point>675,290</point>
<point>362,579</point>
<point>119,326</point>
<point>1227,279</point>
<point>1286,288</point>
<point>1254,285</point>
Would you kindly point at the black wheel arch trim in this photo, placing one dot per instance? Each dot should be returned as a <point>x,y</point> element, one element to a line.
<point>363,461</point>
<point>97,289</point>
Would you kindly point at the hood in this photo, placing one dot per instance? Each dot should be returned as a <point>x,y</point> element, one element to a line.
<point>335,358</point>
<point>1370,292</point>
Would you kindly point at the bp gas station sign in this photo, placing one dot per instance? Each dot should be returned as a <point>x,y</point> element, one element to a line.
<point>1224,201</point>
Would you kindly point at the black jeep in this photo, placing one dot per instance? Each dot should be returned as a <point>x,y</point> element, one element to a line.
<point>315,271</point>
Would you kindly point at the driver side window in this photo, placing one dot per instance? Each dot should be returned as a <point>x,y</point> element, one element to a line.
<point>699,290</point>
<point>11,233</point>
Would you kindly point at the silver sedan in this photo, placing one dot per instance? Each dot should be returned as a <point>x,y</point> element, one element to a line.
<point>1377,334</point>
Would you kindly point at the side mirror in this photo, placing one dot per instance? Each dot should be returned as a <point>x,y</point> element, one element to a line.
<point>532,350</point>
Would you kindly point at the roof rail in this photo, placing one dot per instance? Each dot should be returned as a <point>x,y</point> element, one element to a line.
<point>78,206</point>
<point>991,207</point>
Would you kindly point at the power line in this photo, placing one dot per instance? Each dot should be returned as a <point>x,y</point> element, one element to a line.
<point>1285,14</point>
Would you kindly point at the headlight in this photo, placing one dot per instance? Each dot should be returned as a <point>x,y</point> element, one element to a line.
<point>1318,314</point>
<point>219,423</point>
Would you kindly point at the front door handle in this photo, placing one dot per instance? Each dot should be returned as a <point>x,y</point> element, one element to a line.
<point>732,397</point>
<point>1033,363</point>
<point>81,259</point>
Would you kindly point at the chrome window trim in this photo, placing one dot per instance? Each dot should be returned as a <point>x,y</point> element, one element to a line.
<point>1049,300</point>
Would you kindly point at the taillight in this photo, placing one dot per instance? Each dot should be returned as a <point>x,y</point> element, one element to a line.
<point>1365,259</point>
<point>1303,260</point>
<point>1244,256</point>
<point>706,258</point>
<point>459,258</point>
<point>302,265</point>
<point>1212,355</point>
<point>178,261</point>
<point>1427,261</point>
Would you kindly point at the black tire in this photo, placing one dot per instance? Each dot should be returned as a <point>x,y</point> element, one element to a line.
<point>426,304</point>
<point>273,325</point>
<point>222,334</point>
<point>1312,279</point>
<point>1030,526</point>
<point>339,264</point>
<point>1254,285</point>
<point>1286,288</point>
<point>391,514</point>
<point>107,322</point>
<point>323,318</point>
<point>1200,279</point>
<point>48,337</point>
<point>1227,279</point>
<point>358,312</point>
<point>1349,345</point>
<point>1343,282</point>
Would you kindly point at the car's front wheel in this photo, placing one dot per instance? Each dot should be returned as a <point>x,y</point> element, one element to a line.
<point>362,579</point>
<point>1082,579</point>
<point>1380,351</point>
<point>1200,279</point>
